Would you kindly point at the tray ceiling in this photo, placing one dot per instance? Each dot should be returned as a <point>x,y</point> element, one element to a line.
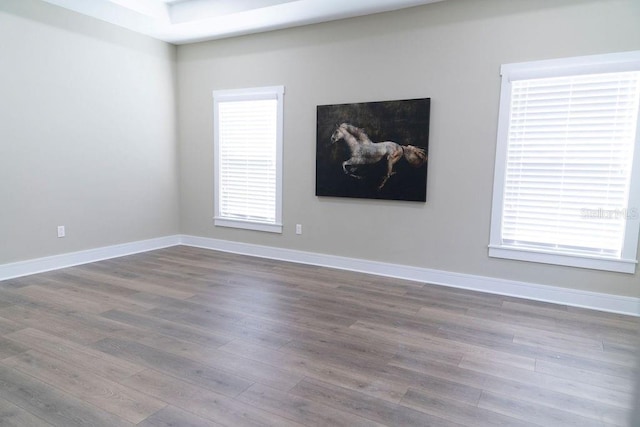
<point>187,21</point>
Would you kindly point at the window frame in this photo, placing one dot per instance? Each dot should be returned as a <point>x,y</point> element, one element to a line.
<point>246,94</point>
<point>594,64</point>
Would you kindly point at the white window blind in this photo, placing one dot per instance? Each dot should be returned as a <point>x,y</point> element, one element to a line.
<point>565,165</point>
<point>571,142</point>
<point>248,148</point>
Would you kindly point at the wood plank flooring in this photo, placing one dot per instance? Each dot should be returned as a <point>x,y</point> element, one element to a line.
<point>191,337</point>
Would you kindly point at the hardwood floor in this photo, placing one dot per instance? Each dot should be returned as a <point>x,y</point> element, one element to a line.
<point>191,337</point>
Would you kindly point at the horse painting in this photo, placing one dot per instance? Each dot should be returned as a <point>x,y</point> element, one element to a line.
<point>364,152</point>
<point>373,159</point>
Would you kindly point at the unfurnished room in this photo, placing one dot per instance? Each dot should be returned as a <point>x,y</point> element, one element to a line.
<point>319,213</point>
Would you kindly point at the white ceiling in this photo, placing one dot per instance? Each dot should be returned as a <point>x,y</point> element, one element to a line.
<point>187,21</point>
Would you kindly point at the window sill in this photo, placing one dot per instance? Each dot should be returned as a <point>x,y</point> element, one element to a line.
<point>569,260</point>
<point>247,225</point>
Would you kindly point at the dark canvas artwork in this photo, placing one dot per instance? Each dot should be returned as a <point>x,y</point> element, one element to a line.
<point>373,150</point>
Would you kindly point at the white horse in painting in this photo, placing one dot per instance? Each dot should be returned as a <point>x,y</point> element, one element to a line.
<point>364,151</point>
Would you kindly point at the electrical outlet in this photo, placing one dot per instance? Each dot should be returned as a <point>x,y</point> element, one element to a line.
<point>298,228</point>
<point>61,231</point>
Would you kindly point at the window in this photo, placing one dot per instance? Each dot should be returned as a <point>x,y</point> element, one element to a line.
<point>248,158</point>
<point>567,174</point>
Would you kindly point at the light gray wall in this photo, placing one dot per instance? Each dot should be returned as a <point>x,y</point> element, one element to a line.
<point>450,52</point>
<point>87,133</point>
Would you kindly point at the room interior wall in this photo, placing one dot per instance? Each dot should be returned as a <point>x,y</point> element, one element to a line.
<point>450,52</point>
<point>88,128</point>
<point>87,133</point>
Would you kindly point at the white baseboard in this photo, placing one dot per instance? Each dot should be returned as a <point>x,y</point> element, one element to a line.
<point>533,291</point>
<point>55,262</point>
